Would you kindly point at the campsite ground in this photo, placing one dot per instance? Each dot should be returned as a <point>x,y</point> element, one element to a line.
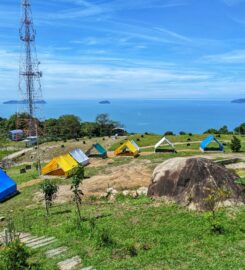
<point>132,233</point>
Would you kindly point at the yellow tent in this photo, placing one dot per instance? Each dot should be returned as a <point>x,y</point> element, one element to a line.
<point>59,166</point>
<point>128,148</point>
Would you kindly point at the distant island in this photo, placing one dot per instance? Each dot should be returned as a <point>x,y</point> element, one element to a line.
<point>105,102</point>
<point>24,102</point>
<point>241,100</point>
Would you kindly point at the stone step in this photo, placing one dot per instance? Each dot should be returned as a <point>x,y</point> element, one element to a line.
<point>40,242</point>
<point>28,238</point>
<point>34,239</point>
<point>88,268</point>
<point>24,235</point>
<point>55,252</point>
<point>69,264</point>
<point>44,244</point>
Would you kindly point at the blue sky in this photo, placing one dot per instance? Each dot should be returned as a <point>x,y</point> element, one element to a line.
<point>130,48</point>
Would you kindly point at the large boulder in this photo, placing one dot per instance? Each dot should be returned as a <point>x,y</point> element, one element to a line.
<point>188,181</point>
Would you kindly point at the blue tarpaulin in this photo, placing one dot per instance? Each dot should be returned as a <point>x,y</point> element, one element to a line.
<point>7,186</point>
<point>208,140</point>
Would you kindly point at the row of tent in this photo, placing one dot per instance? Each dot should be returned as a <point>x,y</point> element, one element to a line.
<point>65,164</point>
<point>130,147</point>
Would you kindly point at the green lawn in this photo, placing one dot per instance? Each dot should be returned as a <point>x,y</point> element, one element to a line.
<point>134,234</point>
<point>14,173</point>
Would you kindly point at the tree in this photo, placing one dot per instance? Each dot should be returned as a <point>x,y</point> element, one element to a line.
<point>224,130</point>
<point>211,131</point>
<point>235,144</point>
<point>51,128</point>
<point>105,124</point>
<point>240,130</point>
<point>75,187</point>
<point>49,190</point>
<point>169,133</point>
<point>69,126</point>
<point>216,195</point>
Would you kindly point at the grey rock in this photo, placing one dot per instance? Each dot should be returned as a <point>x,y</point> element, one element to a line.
<point>188,181</point>
<point>69,264</point>
<point>55,252</point>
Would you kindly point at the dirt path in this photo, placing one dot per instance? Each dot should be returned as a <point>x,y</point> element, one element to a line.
<point>29,183</point>
<point>124,177</point>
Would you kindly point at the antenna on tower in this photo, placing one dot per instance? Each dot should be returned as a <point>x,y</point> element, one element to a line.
<point>29,74</point>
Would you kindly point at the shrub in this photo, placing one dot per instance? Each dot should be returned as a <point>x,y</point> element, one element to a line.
<point>49,190</point>
<point>15,256</point>
<point>169,133</point>
<point>235,144</point>
<point>182,133</point>
<point>105,238</point>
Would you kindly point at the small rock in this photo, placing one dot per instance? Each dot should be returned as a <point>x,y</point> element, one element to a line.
<point>70,263</point>
<point>111,191</point>
<point>111,161</point>
<point>126,192</point>
<point>2,219</point>
<point>142,191</point>
<point>134,194</point>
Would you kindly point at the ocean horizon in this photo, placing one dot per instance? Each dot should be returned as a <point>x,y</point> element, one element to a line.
<point>151,115</point>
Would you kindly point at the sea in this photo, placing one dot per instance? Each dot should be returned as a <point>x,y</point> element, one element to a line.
<point>153,116</point>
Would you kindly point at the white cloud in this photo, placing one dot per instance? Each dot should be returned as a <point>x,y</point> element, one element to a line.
<point>233,57</point>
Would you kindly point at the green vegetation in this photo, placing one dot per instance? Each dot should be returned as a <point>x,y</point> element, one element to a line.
<point>137,234</point>
<point>64,128</point>
<point>235,144</point>
<point>49,191</point>
<point>14,173</point>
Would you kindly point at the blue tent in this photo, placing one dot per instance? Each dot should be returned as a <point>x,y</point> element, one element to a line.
<point>208,140</point>
<point>7,186</point>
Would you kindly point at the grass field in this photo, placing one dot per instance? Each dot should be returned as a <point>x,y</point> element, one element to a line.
<point>135,234</point>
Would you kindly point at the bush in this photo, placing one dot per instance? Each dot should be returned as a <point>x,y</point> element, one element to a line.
<point>182,133</point>
<point>105,239</point>
<point>169,133</point>
<point>235,144</point>
<point>15,256</point>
